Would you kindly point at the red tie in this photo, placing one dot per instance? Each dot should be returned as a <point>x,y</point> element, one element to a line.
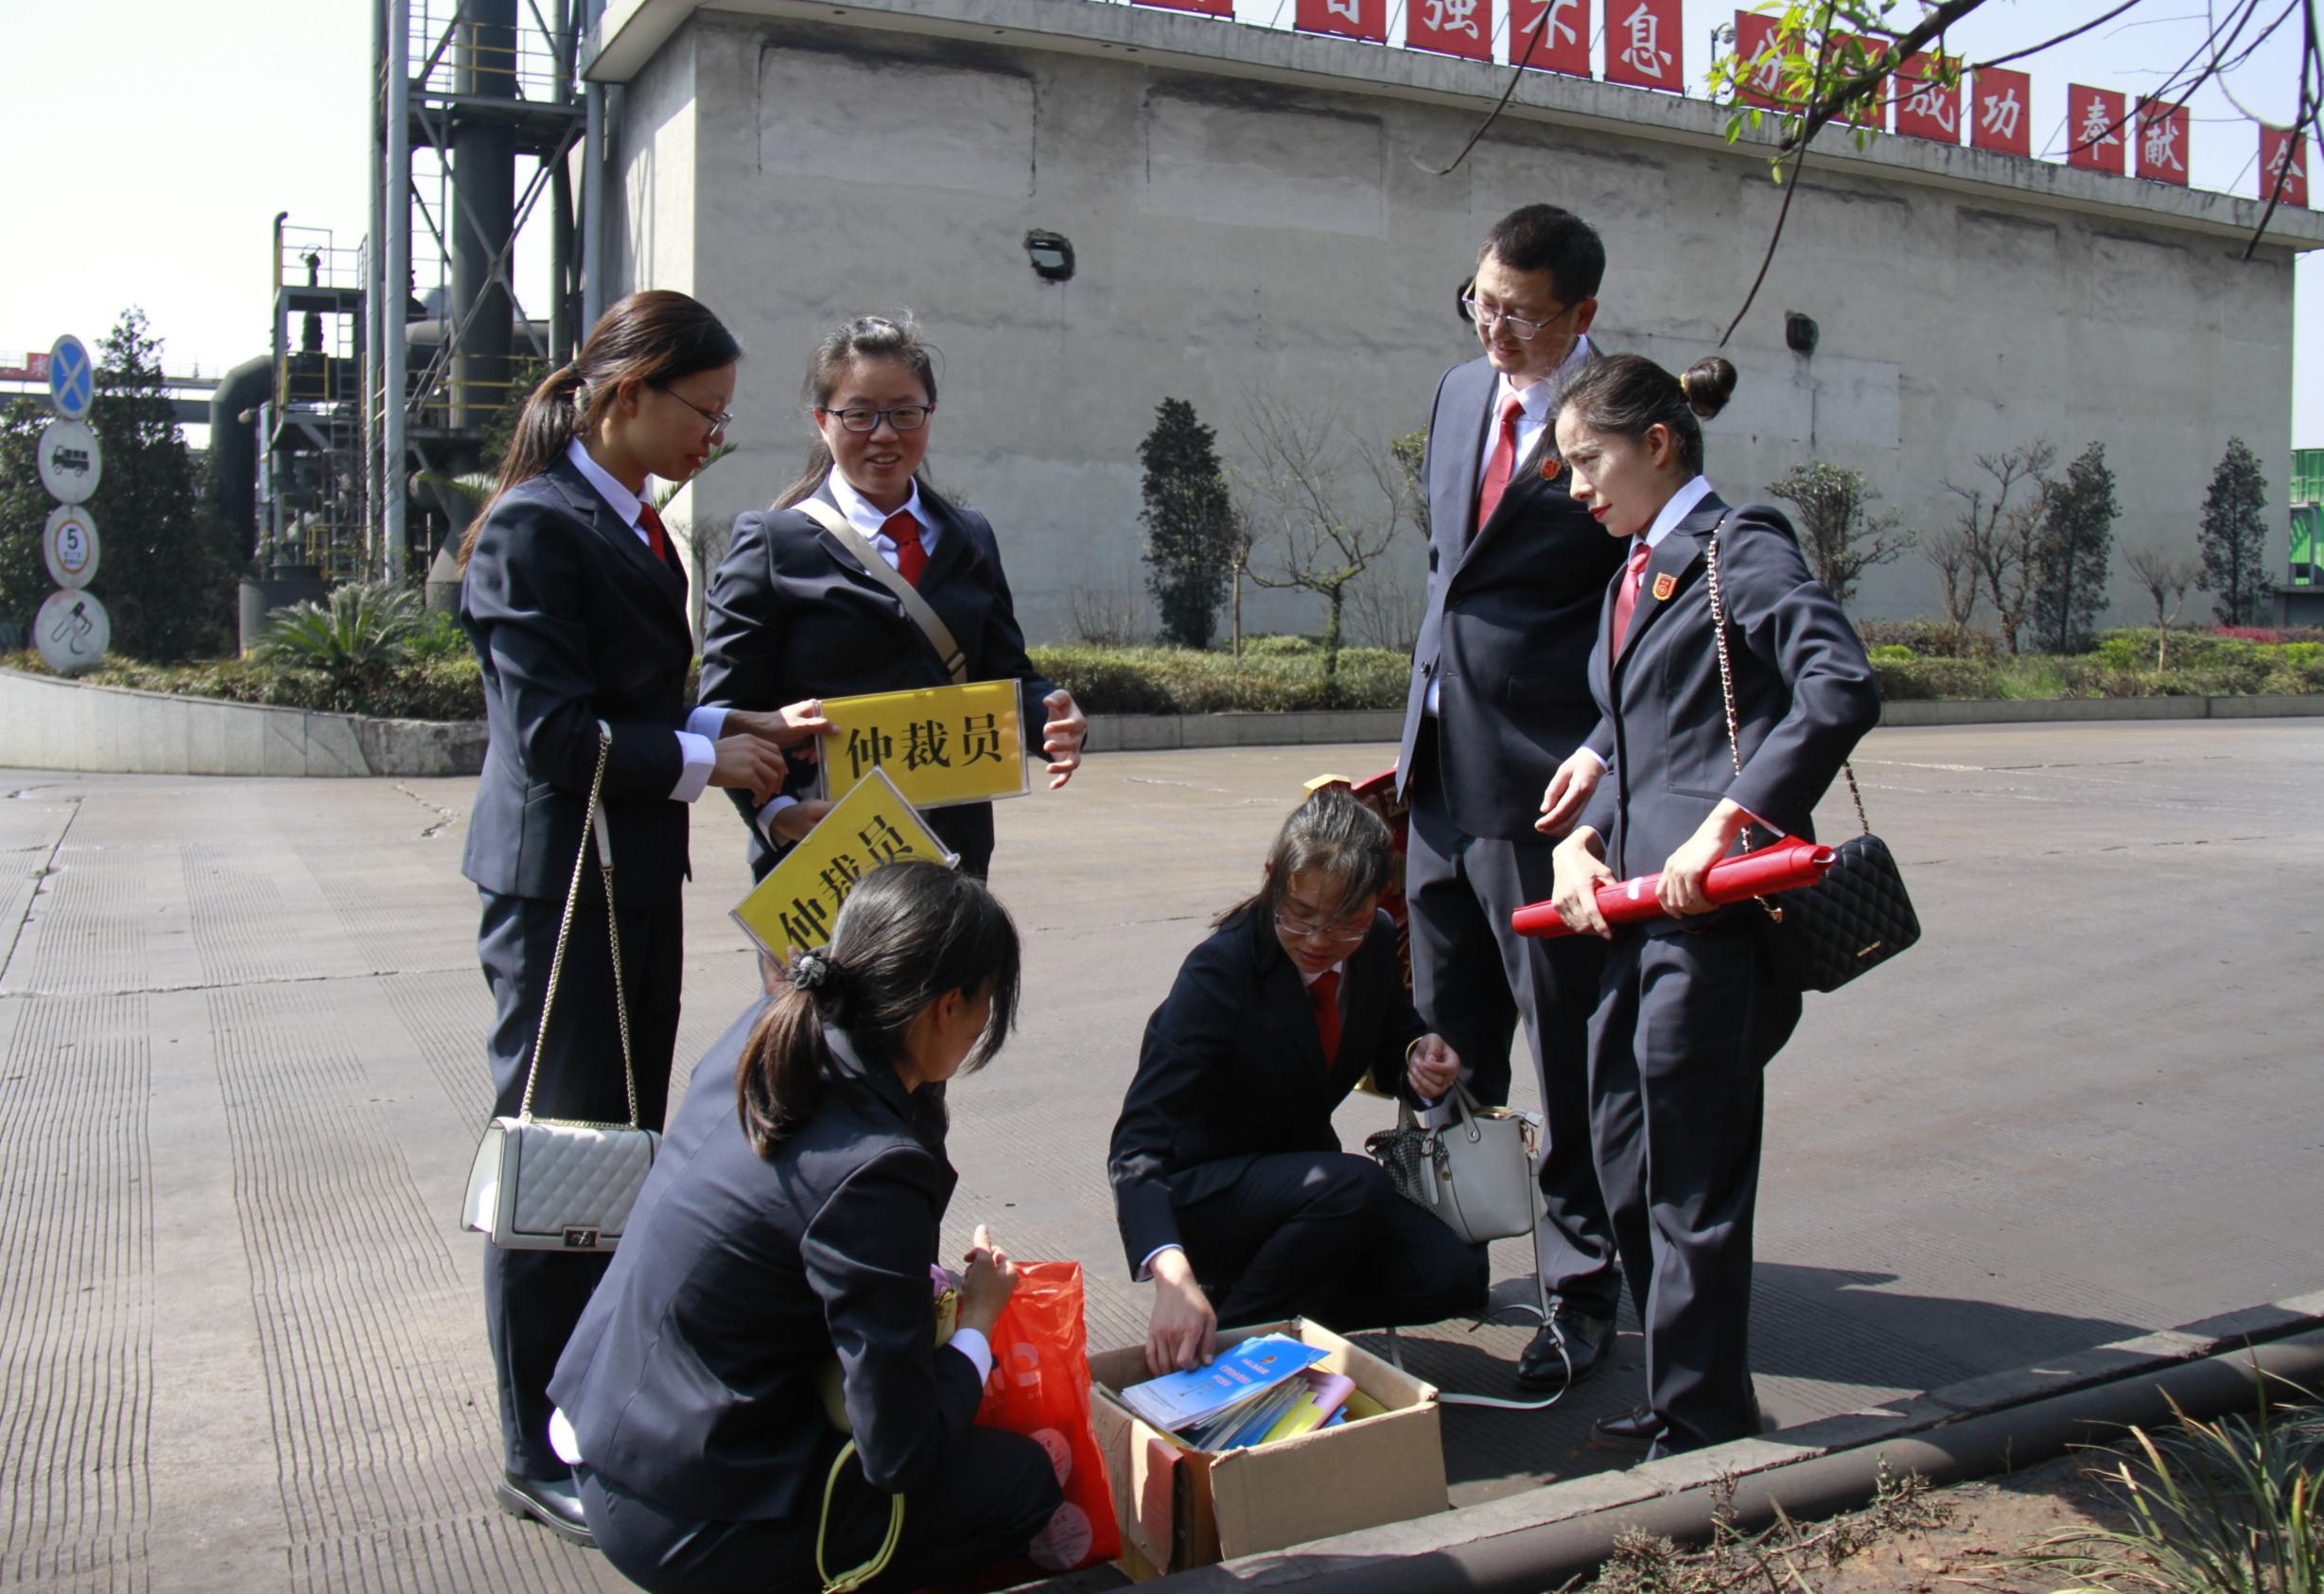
<point>657,538</point>
<point>1497,468</point>
<point>904,532</point>
<point>1323,993</point>
<point>1626,597</point>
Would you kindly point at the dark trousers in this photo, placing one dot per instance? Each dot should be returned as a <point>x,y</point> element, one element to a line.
<point>534,1298</point>
<point>1323,1235</point>
<point>1684,1026</point>
<point>997,1491</point>
<point>1473,975</point>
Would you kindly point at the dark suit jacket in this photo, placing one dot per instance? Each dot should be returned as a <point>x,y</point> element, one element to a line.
<point>1511,613</point>
<point>574,620</point>
<point>1232,1068</point>
<point>791,615</point>
<point>692,1379</point>
<point>1804,691</point>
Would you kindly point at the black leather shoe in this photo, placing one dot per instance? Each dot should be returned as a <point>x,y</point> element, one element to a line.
<point>555,1505</point>
<point>1634,1429</point>
<point>1587,1339</point>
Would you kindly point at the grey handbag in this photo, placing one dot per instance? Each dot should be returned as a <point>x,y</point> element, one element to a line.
<point>1476,1173</point>
<point>555,1184</point>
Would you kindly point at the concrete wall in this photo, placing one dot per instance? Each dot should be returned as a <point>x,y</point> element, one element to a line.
<point>1285,234</point>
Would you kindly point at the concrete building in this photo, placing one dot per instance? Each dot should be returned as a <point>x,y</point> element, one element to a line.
<point>1254,213</point>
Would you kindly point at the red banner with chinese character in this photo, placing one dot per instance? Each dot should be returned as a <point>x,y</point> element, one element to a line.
<point>2001,111</point>
<point>1840,66</point>
<point>1925,107</point>
<point>1645,45</point>
<point>1204,7</point>
<point>2097,129</point>
<point>1757,48</point>
<point>1453,27</point>
<point>1565,42</point>
<point>1352,19</point>
<point>2162,141</point>
<point>2283,152</point>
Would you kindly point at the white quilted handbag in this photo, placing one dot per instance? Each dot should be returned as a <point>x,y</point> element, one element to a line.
<point>1476,1173</point>
<point>553,1183</point>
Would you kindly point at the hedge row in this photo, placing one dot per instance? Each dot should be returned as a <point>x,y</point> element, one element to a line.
<point>447,688</point>
<point>1152,680</point>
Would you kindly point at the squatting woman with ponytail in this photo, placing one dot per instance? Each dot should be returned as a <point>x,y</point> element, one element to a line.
<point>1690,1009</point>
<point>575,603</point>
<point>791,1218</point>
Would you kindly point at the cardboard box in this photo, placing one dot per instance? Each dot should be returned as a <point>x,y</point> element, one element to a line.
<point>1182,1508</point>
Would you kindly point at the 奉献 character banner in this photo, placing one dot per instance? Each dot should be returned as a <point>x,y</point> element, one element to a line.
<point>941,745</point>
<point>794,908</point>
<point>2283,152</point>
<point>2097,129</point>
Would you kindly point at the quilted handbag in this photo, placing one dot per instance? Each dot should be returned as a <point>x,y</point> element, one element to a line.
<point>1859,916</point>
<point>555,1184</point>
<point>1476,1173</point>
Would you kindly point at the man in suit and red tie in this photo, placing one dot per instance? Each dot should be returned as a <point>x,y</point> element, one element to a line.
<point>1500,696</point>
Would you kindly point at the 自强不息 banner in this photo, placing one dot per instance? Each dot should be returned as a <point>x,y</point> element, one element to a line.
<point>794,908</point>
<point>941,745</point>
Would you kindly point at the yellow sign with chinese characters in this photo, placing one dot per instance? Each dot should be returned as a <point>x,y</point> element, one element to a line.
<point>940,745</point>
<point>792,909</point>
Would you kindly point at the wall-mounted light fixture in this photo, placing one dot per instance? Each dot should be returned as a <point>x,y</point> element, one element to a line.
<point>1800,332</point>
<point>1052,254</point>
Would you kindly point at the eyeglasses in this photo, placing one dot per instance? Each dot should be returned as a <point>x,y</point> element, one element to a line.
<point>903,418</point>
<point>720,420</point>
<point>1522,329</point>
<point>1346,933</point>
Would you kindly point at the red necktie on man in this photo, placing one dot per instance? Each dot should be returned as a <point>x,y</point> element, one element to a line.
<point>658,538</point>
<point>1499,468</point>
<point>1323,995</point>
<point>1626,598</point>
<point>904,532</point>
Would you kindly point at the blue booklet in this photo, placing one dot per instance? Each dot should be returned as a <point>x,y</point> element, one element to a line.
<point>1178,1400</point>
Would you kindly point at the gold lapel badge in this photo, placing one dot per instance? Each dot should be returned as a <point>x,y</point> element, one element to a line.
<point>1665,585</point>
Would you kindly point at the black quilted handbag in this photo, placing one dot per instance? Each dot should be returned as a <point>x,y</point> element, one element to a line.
<point>1859,916</point>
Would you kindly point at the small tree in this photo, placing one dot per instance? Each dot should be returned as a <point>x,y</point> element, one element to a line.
<point>1952,553</point>
<point>1189,519</point>
<point>1411,451</point>
<point>2077,544</point>
<point>23,512</point>
<point>1299,491</point>
<point>2000,519</point>
<point>1840,532</point>
<point>2234,538</point>
<point>2165,578</point>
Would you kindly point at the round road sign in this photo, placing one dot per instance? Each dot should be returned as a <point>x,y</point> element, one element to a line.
<point>70,461</point>
<point>72,631</point>
<point>72,377</point>
<point>68,542</point>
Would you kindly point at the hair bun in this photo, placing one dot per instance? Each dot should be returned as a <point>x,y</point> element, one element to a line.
<point>1707,384</point>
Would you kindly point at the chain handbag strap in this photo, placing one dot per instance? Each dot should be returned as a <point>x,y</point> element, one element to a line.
<point>593,829</point>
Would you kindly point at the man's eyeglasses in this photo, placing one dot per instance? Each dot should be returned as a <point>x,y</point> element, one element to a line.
<point>903,418</point>
<point>1346,933</point>
<point>720,420</point>
<point>1487,317</point>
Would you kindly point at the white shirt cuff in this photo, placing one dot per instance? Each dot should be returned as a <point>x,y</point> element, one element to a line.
<point>1604,763</point>
<point>708,720</point>
<point>1145,1269</point>
<point>973,1344</point>
<point>562,1438</point>
<point>767,816</point>
<point>701,758</point>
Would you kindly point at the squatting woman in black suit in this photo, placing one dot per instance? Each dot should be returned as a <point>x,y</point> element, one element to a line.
<point>1228,1178</point>
<point>575,603</point>
<point>792,1219</point>
<point>794,615</point>
<point>1688,1008</point>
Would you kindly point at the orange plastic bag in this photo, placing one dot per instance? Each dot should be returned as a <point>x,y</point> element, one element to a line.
<point>1040,1388</point>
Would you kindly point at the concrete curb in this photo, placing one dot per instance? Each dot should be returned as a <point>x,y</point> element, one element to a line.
<point>1581,1496</point>
<point>1997,711</point>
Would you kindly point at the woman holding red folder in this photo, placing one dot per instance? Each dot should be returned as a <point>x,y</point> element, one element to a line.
<point>1689,1010</point>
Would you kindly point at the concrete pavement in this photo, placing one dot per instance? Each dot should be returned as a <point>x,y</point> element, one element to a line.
<point>240,1080</point>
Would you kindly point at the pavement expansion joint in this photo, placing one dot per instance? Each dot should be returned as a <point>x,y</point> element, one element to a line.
<point>445,817</point>
<point>256,982</point>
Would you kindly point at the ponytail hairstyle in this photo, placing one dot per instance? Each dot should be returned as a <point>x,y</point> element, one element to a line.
<point>1627,394</point>
<point>648,339</point>
<point>868,337</point>
<point>1333,837</point>
<point>909,933</point>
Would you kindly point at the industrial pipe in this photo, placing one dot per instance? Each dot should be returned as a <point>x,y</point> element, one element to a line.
<point>1530,1559</point>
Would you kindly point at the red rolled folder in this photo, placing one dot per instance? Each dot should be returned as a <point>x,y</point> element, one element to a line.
<point>1787,863</point>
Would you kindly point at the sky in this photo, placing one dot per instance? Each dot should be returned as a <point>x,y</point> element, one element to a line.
<point>153,157</point>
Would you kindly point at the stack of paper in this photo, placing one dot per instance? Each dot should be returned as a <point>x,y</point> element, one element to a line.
<point>1245,1397</point>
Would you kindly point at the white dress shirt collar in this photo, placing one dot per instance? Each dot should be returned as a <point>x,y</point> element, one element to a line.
<point>867,517</point>
<point>1306,978</point>
<point>625,503</point>
<point>1536,399</point>
<point>1682,504</point>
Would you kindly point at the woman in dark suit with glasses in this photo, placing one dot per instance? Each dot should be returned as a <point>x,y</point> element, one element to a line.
<point>794,615</point>
<point>1228,1178</point>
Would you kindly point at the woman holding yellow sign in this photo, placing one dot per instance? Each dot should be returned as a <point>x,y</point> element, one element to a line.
<point>862,580</point>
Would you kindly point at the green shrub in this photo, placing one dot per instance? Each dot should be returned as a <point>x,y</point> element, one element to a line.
<point>363,626</point>
<point>437,636</point>
<point>1909,680</point>
<point>1155,680</point>
<point>1280,647</point>
<point>418,688</point>
<point>1890,653</point>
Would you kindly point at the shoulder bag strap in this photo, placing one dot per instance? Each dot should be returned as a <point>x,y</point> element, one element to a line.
<point>940,635</point>
<point>595,831</point>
